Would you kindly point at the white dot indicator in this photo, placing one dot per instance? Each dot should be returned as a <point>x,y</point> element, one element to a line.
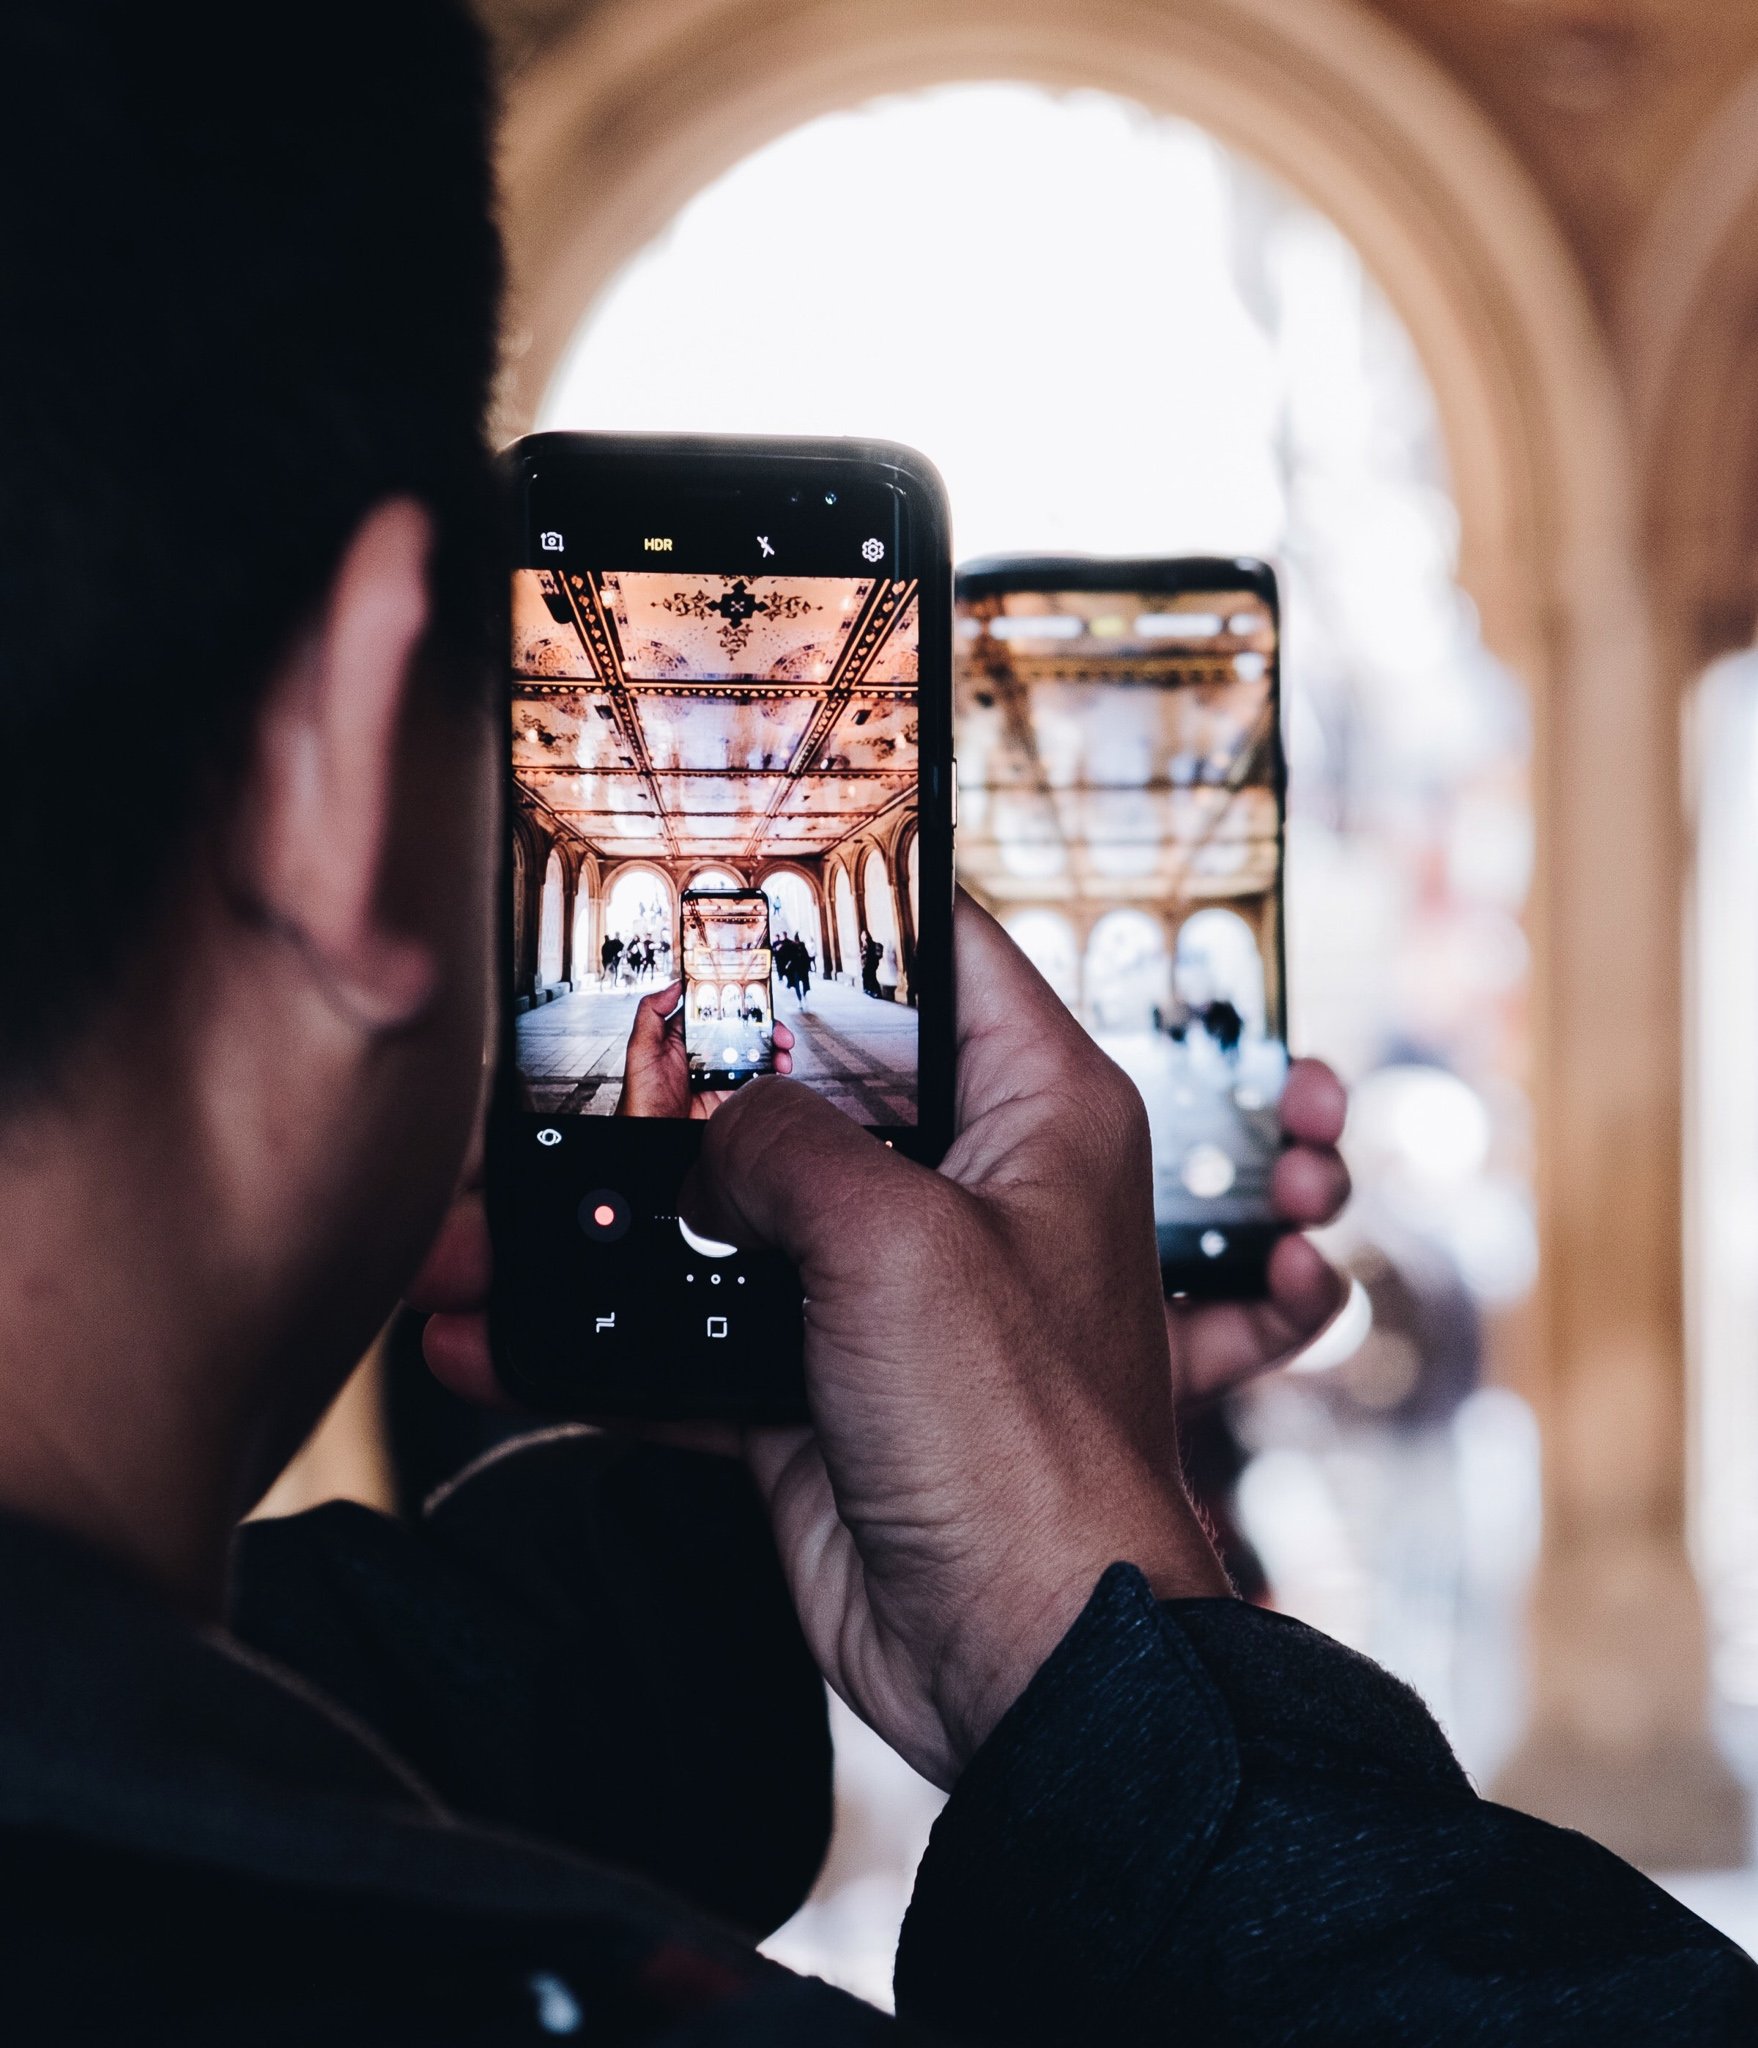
<point>1207,1172</point>
<point>1213,1242</point>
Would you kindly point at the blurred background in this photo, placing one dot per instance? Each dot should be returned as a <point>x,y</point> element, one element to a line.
<point>1450,309</point>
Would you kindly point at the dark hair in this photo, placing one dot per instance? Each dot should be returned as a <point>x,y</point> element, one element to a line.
<point>251,286</point>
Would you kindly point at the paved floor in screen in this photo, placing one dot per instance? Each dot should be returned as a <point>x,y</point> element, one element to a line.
<point>858,1051</point>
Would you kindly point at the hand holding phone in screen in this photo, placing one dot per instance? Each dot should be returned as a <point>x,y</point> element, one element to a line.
<point>729,1010</point>
<point>656,1062</point>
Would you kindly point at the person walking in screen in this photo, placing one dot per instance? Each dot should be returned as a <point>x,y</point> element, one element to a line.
<point>871,954</point>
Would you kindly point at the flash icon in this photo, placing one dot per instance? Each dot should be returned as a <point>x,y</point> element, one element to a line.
<point>763,543</point>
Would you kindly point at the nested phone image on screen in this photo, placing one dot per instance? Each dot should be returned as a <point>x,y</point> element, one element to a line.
<point>729,856</point>
<point>729,1011</point>
<point>679,735</point>
<point>1121,811</point>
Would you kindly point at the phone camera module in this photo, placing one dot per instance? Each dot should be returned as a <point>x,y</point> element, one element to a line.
<point>830,497</point>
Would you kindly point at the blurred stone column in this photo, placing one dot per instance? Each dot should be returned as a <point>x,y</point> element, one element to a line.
<point>1618,1742</point>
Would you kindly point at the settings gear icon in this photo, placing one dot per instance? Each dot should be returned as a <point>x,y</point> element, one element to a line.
<point>871,550</point>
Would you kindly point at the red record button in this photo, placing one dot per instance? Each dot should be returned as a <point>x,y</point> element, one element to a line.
<point>604,1215</point>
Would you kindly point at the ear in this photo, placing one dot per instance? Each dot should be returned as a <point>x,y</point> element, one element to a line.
<point>321,813</point>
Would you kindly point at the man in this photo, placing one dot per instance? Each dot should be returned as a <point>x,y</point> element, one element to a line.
<point>524,1769</point>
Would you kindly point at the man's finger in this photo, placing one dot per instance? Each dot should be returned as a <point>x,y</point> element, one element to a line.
<point>782,1167</point>
<point>456,1350</point>
<point>652,1013</point>
<point>1225,1344</point>
<point>455,1273</point>
<point>1315,1104</point>
<point>1309,1185</point>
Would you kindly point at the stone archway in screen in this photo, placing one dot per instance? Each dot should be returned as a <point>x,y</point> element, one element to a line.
<point>632,111</point>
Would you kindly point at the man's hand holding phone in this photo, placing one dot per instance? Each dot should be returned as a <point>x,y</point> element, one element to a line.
<point>988,1364</point>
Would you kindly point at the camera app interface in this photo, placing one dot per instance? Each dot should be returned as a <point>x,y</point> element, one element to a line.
<point>1121,813</point>
<point>715,863</point>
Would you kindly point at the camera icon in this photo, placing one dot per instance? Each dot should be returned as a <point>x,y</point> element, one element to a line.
<point>551,542</point>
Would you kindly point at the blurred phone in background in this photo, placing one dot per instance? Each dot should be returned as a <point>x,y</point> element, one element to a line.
<point>1121,801</point>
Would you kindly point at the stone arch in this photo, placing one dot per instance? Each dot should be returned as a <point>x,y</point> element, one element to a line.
<point>637,106</point>
<point>905,856</point>
<point>1687,317</point>
<point>1126,969</point>
<point>552,938</point>
<point>1049,938</point>
<point>713,874</point>
<point>625,870</point>
<point>1243,980</point>
<point>583,933</point>
<point>876,895</point>
<point>845,924</point>
<point>814,879</point>
<point>530,852</point>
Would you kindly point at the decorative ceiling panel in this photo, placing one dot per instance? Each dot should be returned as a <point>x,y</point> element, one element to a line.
<point>851,796</point>
<point>711,628</point>
<point>567,728</point>
<point>724,730</point>
<point>870,732</point>
<point>545,642</point>
<point>722,796</point>
<point>612,795</point>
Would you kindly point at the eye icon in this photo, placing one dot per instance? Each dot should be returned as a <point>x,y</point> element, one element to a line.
<point>549,1135</point>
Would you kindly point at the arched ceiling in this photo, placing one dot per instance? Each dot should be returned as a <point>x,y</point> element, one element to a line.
<point>1602,99</point>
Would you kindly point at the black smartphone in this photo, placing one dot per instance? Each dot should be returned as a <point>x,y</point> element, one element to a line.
<point>729,1006</point>
<point>729,853</point>
<point>1122,798</point>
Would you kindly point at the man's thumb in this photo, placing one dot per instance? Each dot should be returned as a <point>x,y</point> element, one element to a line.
<point>780,1167</point>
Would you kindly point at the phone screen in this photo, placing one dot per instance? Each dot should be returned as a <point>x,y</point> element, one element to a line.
<point>1121,799</point>
<point>729,857</point>
<point>729,1010</point>
<point>716,743</point>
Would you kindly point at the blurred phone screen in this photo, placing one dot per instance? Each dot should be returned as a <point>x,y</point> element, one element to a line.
<point>1121,811</point>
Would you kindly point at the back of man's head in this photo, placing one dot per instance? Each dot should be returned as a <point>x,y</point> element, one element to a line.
<point>251,289</point>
